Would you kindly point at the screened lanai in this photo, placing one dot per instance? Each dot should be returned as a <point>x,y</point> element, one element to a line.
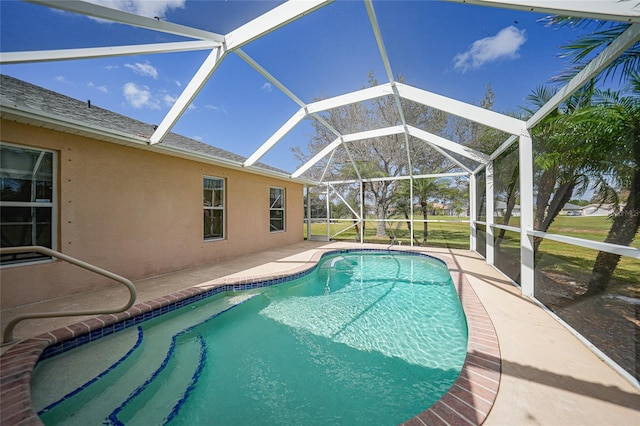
<point>353,100</point>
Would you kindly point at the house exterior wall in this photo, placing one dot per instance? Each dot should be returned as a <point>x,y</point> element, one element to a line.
<point>139,213</point>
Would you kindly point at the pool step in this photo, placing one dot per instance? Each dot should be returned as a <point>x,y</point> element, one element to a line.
<point>162,395</point>
<point>97,400</point>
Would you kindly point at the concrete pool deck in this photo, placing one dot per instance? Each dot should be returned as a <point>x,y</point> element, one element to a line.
<point>548,376</point>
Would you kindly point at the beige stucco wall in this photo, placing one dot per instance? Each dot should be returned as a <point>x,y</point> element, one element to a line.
<point>139,213</point>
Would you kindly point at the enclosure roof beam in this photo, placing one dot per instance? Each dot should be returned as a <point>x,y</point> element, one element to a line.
<point>104,52</point>
<point>266,74</point>
<point>351,98</point>
<point>319,156</point>
<point>385,57</point>
<point>474,113</point>
<point>375,133</point>
<point>611,10</point>
<point>286,128</point>
<point>102,12</point>
<point>272,20</point>
<point>624,41</point>
<point>276,137</point>
<point>450,157</point>
<point>187,96</point>
<point>368,134</point>
<point>432,139</point>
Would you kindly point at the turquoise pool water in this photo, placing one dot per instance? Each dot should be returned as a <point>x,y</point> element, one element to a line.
<point>367,338</point>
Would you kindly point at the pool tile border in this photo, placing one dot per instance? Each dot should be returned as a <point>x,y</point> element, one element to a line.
<point>469,400</point>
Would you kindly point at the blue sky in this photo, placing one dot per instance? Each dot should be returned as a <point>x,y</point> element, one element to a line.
<point>447,48</point>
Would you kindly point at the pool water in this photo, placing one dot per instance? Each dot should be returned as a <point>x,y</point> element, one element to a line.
<point>367,338</point>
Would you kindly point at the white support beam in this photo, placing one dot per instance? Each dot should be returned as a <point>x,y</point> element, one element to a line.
<point>346,203</point>
<point>612,10</point>
<point>266,74</point>
<point>103,52</point>
<point>473,214</point>
<point>385,60</point>
<point>590,244</point>
<point>474,113</point>
<point>527,261</point>
<point>600,62</point>
<point>319,156</point>
<point>378,35</point>
<point>502,148</point>
<point>353,163</point>
<point>376,133</point>
<point>276,137</point>
<point>272,20</point>
<point>326,167</point>
<point>114,15</point>
<point>432,139</point>
<point>395,178</point>
<point>489,240</point>
<point>188,94</point>
<point>351,98</point>
<point>326,124</point>
<point>450,157</point>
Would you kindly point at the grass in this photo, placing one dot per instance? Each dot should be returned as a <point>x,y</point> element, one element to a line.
<point>554,257</point>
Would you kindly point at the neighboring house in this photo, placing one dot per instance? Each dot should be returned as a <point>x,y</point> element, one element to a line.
<point>601,209</point>
<point>84,181</point>
<point>572,210</point>
<point>590,210</point>
<point>500,209</point>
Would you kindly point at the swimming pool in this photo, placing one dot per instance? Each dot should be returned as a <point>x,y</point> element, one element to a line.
<point>336,321</point>
<point>468,401</point>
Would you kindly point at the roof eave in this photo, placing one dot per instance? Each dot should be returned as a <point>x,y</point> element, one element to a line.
<point>43,119</point>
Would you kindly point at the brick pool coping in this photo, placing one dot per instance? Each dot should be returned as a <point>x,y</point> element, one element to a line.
<point>468,401</point>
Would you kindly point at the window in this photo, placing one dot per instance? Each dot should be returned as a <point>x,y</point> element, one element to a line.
<point>27,200</point>
<point>213,204</point>
<point>276,209</point>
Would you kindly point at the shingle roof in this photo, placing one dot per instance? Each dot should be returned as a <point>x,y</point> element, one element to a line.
<point>26,96</point>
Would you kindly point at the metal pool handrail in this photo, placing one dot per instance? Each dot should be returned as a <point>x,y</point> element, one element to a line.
<point>8,331</point>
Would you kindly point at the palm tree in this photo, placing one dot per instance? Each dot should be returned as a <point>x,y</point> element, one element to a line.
<point>612,126</point>
<point>559,168</point>
<point>583,48</point>
<point>612,120</point>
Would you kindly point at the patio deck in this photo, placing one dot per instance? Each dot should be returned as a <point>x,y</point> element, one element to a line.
<point>548,376</point>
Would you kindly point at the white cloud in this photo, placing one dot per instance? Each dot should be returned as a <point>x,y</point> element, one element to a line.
<point>503,45</point>
<point>169,100</point>
<point>267,87</point>
<point>145,69</point>
<point>139,96</point>
<point>60,78</point>
<point>149,9</point>
<point>198,138</point>
<point>215,108</point>
<point>102,88</point>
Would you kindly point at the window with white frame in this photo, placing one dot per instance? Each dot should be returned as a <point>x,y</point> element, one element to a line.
<point>276,209</point>
<point>213,205</point>
<point>27,200</point>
